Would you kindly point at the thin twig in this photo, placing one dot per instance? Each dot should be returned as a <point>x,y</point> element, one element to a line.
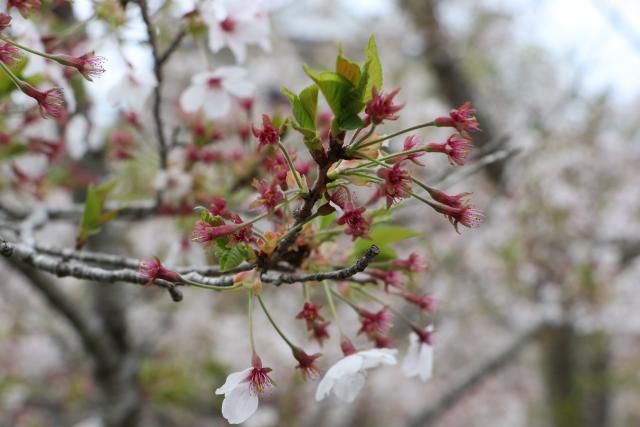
<point>359,266</point>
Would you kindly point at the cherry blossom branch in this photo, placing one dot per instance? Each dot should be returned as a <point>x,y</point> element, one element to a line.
<point>62,267</point>
<point>358,267</point>
<point>486,369</point>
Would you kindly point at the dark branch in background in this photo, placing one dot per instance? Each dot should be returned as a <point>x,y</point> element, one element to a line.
<point>486,369</point>
<point>345,273</point>
<point>157,93</point>
<point>452,81</point>
<point>175,43</point>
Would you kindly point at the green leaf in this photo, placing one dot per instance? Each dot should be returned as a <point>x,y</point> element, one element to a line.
<point>93,217</point>
<point>231,257</point>
<point>382,236</point>
<point>327,220</point>
<point>347,68</point>
<point>344,99</point>
<point>373,68</point>
<point>304,108</point>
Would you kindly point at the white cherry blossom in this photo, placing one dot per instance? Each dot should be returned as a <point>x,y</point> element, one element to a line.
<point>236,24</point>
<point>241,390</point>
<point>346,378</point>
<point>133,89</point>
<point>212,91</point>
<point>419,359</point>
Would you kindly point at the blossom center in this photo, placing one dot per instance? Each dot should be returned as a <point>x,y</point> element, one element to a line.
<point>228,25</point>
<point>215,82</point>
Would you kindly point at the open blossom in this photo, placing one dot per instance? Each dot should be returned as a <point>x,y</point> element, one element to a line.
<point>357,224</point>
<point>462,118</point>
<point>212,91</point>
<point>5,21</point>
<point>306,363</point>
<point>50,102</point>
<point>468,216</point>
<point>269,135</point>
<point>236,24</point>
<point>89,65</point>
<point>381,107</point>
<point>419,359</point>
<point>396,183</point>
<point>241,390</point>
<point>133,89</point>
<point>152,269</point>
<point>346,378</point>
<point>414,263</point>
<point>8,53</point>
<point>457,148</point>
<point>374,323</point>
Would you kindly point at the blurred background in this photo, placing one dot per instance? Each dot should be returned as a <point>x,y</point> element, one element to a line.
<point>538,321</point>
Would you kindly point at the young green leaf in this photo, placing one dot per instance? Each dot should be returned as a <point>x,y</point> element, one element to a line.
<point>93,217</point>
<point>373,69</point>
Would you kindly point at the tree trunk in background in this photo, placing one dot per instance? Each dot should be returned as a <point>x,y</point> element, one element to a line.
<point>453,84</point>
<point>120,394</point>
<point>576,376</point>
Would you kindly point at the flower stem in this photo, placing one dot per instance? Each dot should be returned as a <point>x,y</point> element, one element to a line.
<point>292,168</point>
<point>13,77</point>
<point>25,48</point>
<point>250,315</point>
<point>273,323</point>
<point>332,307</point>
<point>393,135</point>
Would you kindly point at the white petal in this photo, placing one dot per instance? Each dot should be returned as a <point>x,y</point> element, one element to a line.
<point>412,358</point>
<point>346,366</point>
<point>76,136</point>
<point>378,356</point>
<point>239,404</point>
<point>324,387</point>
<point>238,48</point>
<point>425,363</point>
<point>217,37</point>
<point>239,88</point>
<point>203,77</point>
<point>348,387</point>
<point>232,381</point>
<point>193,98</point>
<point>216,104</point>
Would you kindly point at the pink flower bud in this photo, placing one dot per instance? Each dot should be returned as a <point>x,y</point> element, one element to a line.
<point>8,53</point>
<point>306,363</point>
<point>456,147</point>
<point>463,119</point>
<point>381,107</point>
<point>153,270</point>
<point>25,7</point>
<point>269,135</point>
<point>396,185</point>
<point>5,21</point>
<point>50,102</point>
<point>89,65</point>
